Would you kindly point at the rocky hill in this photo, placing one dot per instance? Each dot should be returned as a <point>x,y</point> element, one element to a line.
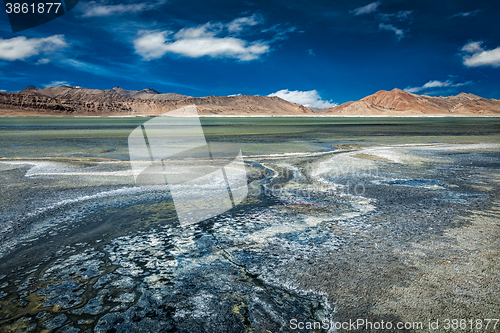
<point>398,102</point>
<point>149,94</point>
<point>77,94</point>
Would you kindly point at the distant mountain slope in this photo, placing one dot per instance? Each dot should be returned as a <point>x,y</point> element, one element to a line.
<point>399,102</point>
<point>245,105</point>
<point>28,88</point>
<point>78,94</point>
<point>149,94</point>
<point>116,94</point>
<point>133,93</point>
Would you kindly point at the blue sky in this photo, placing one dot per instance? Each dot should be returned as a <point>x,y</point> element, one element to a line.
<point>316,53</point>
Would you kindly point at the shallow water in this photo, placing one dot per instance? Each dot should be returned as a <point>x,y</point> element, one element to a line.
<point>107,137</point>
<point>84,249</point>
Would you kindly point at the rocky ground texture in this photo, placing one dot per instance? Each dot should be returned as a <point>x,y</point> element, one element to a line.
<point>400,234</point>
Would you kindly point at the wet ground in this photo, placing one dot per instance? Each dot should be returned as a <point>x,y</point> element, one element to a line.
<point>399,233</point>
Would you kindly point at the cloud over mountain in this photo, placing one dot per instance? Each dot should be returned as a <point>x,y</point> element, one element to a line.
<point>309,98</point>
<point>434,84</point>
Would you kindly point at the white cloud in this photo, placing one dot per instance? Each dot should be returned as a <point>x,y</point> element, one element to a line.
<point>205,30</point>
<point>213,39</point>
<point>477,56</point>
<point>389,27</point>
<point>43,61</point>
<point>472,47</point>
<point>56,84</point>
<point>385,20</point>
<point>240,23</point>
<point>21,48</point>
<point>151,44</point>
<point>467,14</point>
<point>218,47</point>
<point>102,8</point>
<point>155,44</point>
<point>433,84</point>
<point>280,32</point>
<point>309,98</point>
<point>399,16</point>
<point>90,68</point>
<point>370,8</point>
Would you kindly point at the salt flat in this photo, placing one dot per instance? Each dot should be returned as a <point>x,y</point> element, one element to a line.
<point>385,219</point>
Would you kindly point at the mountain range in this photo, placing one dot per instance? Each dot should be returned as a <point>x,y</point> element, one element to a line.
<point>402,103</point>
<point>78,101</point>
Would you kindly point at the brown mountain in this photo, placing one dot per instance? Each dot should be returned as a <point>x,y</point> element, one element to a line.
<point>77,101</point>
<point>149,94</point>
<point>134,93</point>
<point>401,103</point>
<point>30,87</point>
<point>116,94</point>
<point>77,94</point>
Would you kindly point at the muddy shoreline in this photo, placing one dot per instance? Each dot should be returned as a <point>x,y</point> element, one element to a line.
<point>418,244</point>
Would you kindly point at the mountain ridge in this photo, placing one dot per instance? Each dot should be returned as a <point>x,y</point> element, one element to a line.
<point>77,101</point>
<point>400,102</point>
